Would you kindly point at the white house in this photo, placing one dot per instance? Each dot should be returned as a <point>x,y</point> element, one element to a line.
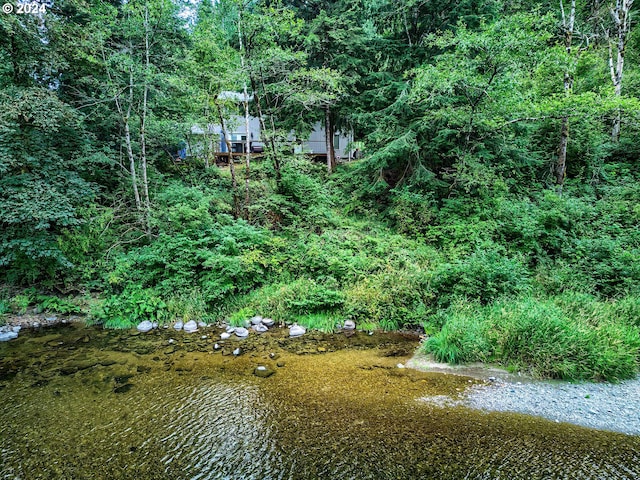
<point>314,145</point>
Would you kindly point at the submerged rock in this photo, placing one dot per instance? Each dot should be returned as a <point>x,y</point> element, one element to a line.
<point>242,332</point>
<point>6,336</point>
<point>263,372</point>
<point>123,388</point>
<point>178,325</point>
<point>296,330</point>
<point>145,326</point>
<point>190,327</point>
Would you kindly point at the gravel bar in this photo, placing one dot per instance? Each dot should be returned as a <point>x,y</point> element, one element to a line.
<point>603,406</point>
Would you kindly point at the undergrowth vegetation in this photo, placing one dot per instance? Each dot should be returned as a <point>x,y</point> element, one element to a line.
<point>543,284</point>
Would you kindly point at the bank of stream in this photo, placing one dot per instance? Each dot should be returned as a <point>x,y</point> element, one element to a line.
<point>79,402</point>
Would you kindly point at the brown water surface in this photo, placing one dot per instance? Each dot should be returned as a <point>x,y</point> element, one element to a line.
<point>82,403</point>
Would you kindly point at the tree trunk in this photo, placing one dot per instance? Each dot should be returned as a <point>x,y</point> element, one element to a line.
<point>232,168</point>
<point>267,141</point>
<point>561,164</point>
<point>127,139</point>
<point>622,19</point>
<point>247,144</point>
<point>328,134</point>
<point>132,163</point>
<point>143,124</point>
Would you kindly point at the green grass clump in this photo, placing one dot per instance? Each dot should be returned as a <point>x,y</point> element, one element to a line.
<point>541,337</point>
<point>318,321</point>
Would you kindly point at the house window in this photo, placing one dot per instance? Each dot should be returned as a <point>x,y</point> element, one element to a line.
<point>336,141</point>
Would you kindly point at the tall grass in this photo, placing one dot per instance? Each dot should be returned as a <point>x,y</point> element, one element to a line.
<point>574,338</point>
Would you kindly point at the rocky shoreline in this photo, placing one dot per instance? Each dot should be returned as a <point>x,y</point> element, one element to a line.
<point>602,406</point>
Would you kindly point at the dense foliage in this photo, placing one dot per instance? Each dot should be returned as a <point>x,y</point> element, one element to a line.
<point>454,220</point>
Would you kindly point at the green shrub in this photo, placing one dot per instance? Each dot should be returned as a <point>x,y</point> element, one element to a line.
<point>47,303</point>
<point>483,276</point>
<point>129,308</point>
<point>390,300</point>
<point>293,300</point>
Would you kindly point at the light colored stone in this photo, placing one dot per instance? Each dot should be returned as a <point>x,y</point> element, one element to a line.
<point>6,336</point>
<point>155,324</point>
<point>237,351</point>
<point>145,326</point>
<point>190,327</point>
<point>16,329</point>
<point>231,329</point>
<point>201,324</point>
<point>349,325</point>
<point>225,336</point>
<point>268,322</point>
<point>263,372</point>
<point>296,330</point>
<point>257,320</point>
<point>242,332</point>
<point>261,328</point>
<point>178,326</point>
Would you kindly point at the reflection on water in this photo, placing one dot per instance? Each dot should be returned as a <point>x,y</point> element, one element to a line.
<point>185,412</point>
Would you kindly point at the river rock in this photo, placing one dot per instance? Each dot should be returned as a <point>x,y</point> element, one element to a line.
<point>6,336</point>
<point>16,329</point>
<point>231,329</point>
<point>263,372</point>
<point>145,326</point>
<point>190,327</point>
<point>268,322</point>
<point>225,336</point>
<point>257,320</point>
<point>242,332</point>
<point>201,324</point>
<point>296,330</point>
<point>155,324</point>
<point>261,328</point>
<point>237,351</point>
<point>349,325</point>
<point>216,346</point>
<point>178,325</point>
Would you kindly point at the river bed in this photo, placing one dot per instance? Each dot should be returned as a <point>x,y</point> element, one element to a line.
<point>80,403</point>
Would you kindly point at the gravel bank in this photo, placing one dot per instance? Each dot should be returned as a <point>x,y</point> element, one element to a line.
<point>603,406</point>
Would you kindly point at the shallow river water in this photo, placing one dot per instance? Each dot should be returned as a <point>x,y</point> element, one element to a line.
<point>83,403</point>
